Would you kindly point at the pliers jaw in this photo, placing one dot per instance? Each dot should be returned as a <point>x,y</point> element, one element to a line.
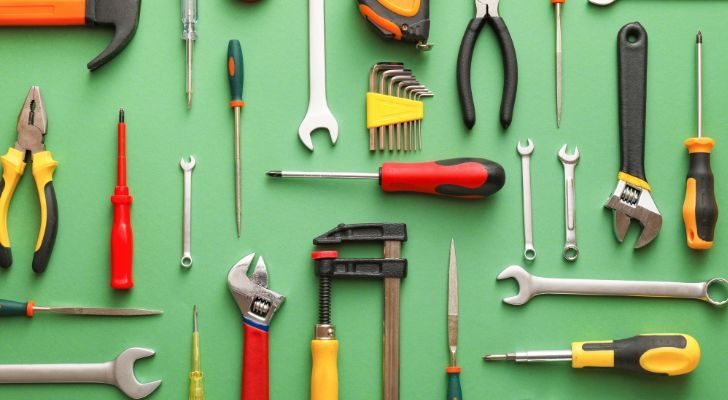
<point>32,123</point>
<point>257,303</point>
<point>486,8</point>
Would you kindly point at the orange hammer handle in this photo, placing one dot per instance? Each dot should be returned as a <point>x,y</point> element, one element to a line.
<point>42,12</point>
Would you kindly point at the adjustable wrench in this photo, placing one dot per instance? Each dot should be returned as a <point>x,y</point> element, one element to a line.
<point>525,151</point>
<point>187,167</point>
<point>571,251</point>
<point>531,286</point>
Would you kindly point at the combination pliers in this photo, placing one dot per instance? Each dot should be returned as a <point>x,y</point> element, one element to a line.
<point>487,11</point>
<point>32,127</point>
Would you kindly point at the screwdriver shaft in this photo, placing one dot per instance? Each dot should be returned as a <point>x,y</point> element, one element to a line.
<point>700,83</point>
<point>189,35</point>
<point>559,66</point>
<point>323,175</point>
<point>238,174</point>
<point>532,356</point>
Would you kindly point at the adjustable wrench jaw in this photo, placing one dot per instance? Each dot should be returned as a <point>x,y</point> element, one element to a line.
<point>256,302</point>
<point>630,202</point>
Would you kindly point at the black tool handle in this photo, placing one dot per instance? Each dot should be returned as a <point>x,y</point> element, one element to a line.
<point>465,58</point>
<point>510,70</point>
<point>632,60</point>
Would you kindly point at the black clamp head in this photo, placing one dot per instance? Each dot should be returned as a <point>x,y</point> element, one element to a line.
<point>363,233</point>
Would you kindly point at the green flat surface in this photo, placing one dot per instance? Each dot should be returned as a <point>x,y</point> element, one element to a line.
<point>281,218</point>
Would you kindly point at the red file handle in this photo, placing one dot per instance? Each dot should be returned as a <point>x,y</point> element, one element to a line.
<point>122,240</point>
<point>470,178</point>
<point>255,362</point>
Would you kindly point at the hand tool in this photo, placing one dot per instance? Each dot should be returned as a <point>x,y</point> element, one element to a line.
<point>319,115</point>
<point>559,58</point>
<point>373,80</point>
<point>632,199</point>
<point>122,239</point>
<point>189,35</point>
<point>602,2</point>
<point>700,210</point>
<point>531,286</point>
<point>122,15</point>
<point>9,308</point>
<point>569,161</point>
<point>454,392</point>
<point>384,77</point>
<point>30,146</point>
<point>418,94</point>
<point>487,11</point>
<point>529,252</point>
<point>468,178</point>
<point>397,20</point>
<point>236,75</point>
<point>660,354</point>
<point>187,167</point>
<point>118,372</point>
<point>392,269</point>
<point>257,305</point>
<point>197,389</point>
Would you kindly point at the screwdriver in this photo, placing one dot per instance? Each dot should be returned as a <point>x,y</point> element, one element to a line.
<point>236,75</point>
<point>700,210</point>
<point>469,178</point>
<point>9,308</point>
<point>559,71</point>
<point>454,392</point>
<point>189,35</point>
<point>122,240</point>
<point>661,354</point>
<point>197,389</point>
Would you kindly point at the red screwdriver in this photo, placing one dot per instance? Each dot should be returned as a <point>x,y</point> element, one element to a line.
<point>467,178</point>
<point>122,242</point>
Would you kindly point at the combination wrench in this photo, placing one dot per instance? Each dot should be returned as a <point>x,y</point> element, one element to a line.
<point>187,167</point>
<point>569,161</point>
<point>531,286</point>
<point>529,252</point>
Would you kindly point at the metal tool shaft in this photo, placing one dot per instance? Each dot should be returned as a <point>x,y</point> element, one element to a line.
<point>111,312</point>
<point>238,171</point>
<point>323,175</point>
<point>700,83</point>
<point>559,66</point>
<point>532,356</point>
<point>452,305</point>
<point>189,35</point>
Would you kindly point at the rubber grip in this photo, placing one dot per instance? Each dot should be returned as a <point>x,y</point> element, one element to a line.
<point>632,60</point>
<point>122,241</point>
<point>13,166</point>
<point>510,71</point>
<point>700,209</point>
<point>454,392</point>
<point>10,308</point>
<point>236,73</point>
<point>255,362</point>
<point>465,59</point>
<point>470,178</point>
<point>42,12</point>
<point>43,167</point>
<point>324,370</point>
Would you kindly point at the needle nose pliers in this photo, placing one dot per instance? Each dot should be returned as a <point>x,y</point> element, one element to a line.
<point>487,11</point>
<point>32,127</point>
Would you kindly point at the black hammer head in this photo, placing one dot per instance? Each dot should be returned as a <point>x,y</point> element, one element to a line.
<point>123,15</point>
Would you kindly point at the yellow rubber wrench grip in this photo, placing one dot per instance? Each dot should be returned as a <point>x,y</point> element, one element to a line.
<point>43,167</point>
<point>13,163</point>
<point>324,372</point>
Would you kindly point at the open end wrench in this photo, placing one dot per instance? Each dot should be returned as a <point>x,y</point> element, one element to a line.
<point>319,115</point>
<point>602,2</point>
<point>187,167</point>
<point>529,252</point>
<point>119,373</point>
<point>571,250</point>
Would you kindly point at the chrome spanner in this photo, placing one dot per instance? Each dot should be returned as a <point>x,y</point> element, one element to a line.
<point>529,252</point>
<point>530,286</point>
<point>187,167</point>
<point>569,161</point>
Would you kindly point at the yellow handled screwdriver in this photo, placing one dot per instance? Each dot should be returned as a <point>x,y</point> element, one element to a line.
<point>662,354</point>
<point>197,389</point>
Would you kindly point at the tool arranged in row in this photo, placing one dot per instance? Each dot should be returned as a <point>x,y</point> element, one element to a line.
<point>30,146</point>
<point>392,269</point>
<point>187,167</point>
<point>189,35</point>
<point>466,178</point>
<point>700,210</point>
<point>118,372</point>
<point>661,354</point>
<point>454,391</point>
<point>9,308</point>
<point>258,305</point>
<point>236,78</point>
<point>569,161</point>
<point>394,101</point>
<point>401,21</point>
<point>529,251</point>
<point>559,60</point>
<point>197,388</point>
<point>122,238</point>
<point>530,286</point>
<point>122,15</point>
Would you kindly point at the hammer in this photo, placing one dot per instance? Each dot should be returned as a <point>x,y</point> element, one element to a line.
<point>122,15</point>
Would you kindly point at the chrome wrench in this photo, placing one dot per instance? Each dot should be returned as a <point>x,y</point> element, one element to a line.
<point>569,161</point>
<point>529,252</point>
<point>187,167</point>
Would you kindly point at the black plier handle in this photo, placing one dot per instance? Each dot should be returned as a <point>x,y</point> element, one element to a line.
<point>487,12</point>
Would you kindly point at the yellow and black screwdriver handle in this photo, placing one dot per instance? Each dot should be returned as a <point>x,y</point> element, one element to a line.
<point>403,20</point>
<point>700,210</point>
<point>662,354</point>
<point>13,163</point>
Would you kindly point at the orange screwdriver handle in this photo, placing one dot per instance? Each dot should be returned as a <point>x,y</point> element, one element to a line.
<point>469,178</point>
<point>42,12</point>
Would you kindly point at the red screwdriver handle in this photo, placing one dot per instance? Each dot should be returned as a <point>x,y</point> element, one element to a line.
<point>468,178</point>
<point>255,362</point>
<point>122,242</point>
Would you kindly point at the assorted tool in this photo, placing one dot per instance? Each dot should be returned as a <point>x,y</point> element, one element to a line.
<point>392,269</point>
<point>486,11</point>
<point>197,389</point>
<point>189,35</point>
<point>122,15</point>
<point>30,146</point>
<point>569,161</point>
<point>700,210</point>
<point>559,60</point>
<point>529,252</point>
<point>454,392</point>
<point>397,20</point>
<point>122,239</point>
<point>661,354</point>
<point>394,101</point>
<point>236,77</point>
<point>187,167</point>
<point>632,198</point>
<point>118,372</point>
<point>257,305</point>
<point>9,308</point>
<point>531,286</point>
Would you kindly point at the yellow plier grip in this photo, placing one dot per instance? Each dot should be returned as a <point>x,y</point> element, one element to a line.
<point>43,167</point>
<point>13,166</point>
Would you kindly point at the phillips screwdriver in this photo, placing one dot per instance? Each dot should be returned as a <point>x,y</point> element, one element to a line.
<point>470,178</point>
<point>189,35</point>
<point>236,74</point>
<point>700,210</point>
<point>9,308</point>
<point>197,389</point>
<point>661,354</point>
<point>559,71</point>
<point>122,242</point>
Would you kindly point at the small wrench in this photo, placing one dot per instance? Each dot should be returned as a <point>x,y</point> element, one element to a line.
<point>531,286</point>
<point>569,161</point>
<point>525,151</point>
<point>187,167</point>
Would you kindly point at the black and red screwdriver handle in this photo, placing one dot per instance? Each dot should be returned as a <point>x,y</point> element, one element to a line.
<point>255,361</point>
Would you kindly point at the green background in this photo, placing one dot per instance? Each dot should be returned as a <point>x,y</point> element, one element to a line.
<point>281,218</point>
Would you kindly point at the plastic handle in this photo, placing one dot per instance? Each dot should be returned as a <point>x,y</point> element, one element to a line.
<point>700,209</point>
<point>255,362</point>
<point>13,167</point>
<point>122,239</point>
<point>42,12</point>
<point>454,392</point>
<point>236,73</point>
<point>460,177</point>
<point>465,58</point>
<point>324,370</point>
<point>43,167</point>
<point>10,308</point>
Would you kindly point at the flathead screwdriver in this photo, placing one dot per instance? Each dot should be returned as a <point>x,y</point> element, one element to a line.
<point>236,75</point>
<point>189,35</point>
